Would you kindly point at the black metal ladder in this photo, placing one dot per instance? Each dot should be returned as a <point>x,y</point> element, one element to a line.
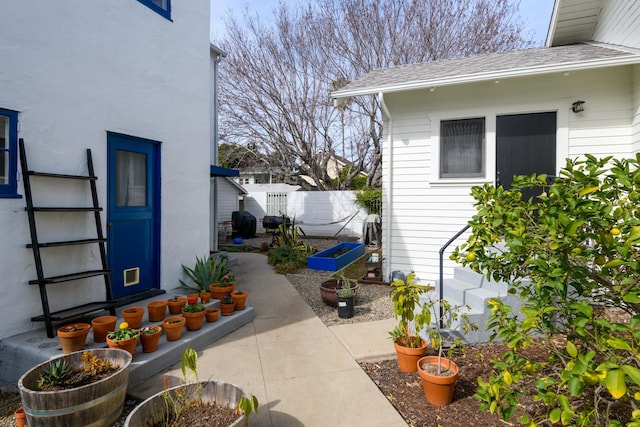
<point>42,280</point>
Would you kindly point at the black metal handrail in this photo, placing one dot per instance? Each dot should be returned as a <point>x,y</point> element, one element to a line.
<point>441,278</point>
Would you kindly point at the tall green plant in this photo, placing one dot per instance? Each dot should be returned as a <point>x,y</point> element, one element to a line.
<point>371,199</point>
<point>207,270</point>
<point>571,254</point>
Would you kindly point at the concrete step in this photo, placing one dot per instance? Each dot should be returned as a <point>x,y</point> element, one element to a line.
<point>24,351</point>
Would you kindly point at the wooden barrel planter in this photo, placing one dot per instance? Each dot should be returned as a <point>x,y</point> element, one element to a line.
<point>97,404</point>
<point>153,409</point>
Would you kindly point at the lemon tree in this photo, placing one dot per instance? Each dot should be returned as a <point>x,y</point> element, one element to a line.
<point>572,254</point>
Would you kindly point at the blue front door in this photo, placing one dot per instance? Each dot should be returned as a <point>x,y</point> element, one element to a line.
<point>133,214</point>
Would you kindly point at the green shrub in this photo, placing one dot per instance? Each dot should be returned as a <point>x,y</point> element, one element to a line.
<point>571,254</point>
<point>286,259</point>
<point>370,199</point>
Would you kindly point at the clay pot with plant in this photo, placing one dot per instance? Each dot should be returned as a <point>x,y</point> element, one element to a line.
<point>150,337</point>
<point>413,317</point>
<point>175,304</point>
<point>345,299</point>
<point>240,297</point>
<point>194,316</point>
<point>438,373</point>
<point>227,305</point>
<point>124,338</point>
<point>205,297</point>
<point>133,316</point>
<point>73,337</point>
<point>173,327</point>
<point>223,287</point>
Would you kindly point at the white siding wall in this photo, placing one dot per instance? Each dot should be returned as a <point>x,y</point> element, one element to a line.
<point>227,199</point>
<point>420,213</point>
<point>635,132</point>
<point>75,70</point>
<point>618,23</point>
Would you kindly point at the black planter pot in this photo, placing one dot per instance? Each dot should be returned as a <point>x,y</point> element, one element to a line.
<point>345,306</point>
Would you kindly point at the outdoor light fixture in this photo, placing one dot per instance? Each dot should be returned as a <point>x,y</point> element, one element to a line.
<point>577,106</point>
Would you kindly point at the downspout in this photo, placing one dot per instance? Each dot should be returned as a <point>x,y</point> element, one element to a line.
<point>387,183</point>
<point>218,55</point>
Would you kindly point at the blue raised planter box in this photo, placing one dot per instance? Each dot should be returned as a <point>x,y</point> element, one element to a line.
<point>325,260</point>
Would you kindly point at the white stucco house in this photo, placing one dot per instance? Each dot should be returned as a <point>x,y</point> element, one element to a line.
<point>132,81</point>
<point>453,124</point>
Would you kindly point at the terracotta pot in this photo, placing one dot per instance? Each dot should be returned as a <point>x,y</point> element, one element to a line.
<point>194,320</point>
<point>192,298</point>
<point>205,297</point>
<point>227,309</point>
<point>102,325</point>
<point>408,357</point>
<point>212,314</point>
<point>173,327</point>
<point>157,310</point>
<point>128,345</point>
<point>72,337</point>
<point>218,291</point>
<point>438,390</point>
<point>21,418</point>
<point>175,304</point>
<point>133,316</point>
<point>240,299</point>
<point>150,341</point>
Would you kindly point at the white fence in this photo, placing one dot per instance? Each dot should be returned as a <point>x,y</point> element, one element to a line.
<point>318,213</point>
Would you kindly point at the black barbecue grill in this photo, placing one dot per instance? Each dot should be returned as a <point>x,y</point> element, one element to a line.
<point>271,223</point>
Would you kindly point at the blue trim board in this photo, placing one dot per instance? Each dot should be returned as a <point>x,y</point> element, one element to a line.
<point>220,171</point>
<point>10,190</point>
<point>166,13</point>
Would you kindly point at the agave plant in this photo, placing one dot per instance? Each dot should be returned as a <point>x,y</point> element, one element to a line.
<point>292,236</point>
<point>206,270</point>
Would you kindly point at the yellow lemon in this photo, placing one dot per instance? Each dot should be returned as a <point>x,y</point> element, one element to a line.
<point>124,325</point>
<point>471,256</point>
<point>615,231</point>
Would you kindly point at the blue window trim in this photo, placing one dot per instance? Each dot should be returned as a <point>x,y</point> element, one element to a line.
<point>166,13</point>
<point>10,190</point>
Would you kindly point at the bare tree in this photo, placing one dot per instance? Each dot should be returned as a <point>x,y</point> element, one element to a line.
<point>276,81</point>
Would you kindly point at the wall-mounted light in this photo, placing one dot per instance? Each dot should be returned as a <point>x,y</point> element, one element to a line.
<point>577,106</point>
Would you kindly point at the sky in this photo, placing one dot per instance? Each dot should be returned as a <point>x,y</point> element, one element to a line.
<point>535,13</point>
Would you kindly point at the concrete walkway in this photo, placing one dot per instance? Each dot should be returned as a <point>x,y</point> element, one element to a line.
<point>302,372</point>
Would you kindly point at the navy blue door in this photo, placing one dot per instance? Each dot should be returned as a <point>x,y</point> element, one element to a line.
<point>132,214</point>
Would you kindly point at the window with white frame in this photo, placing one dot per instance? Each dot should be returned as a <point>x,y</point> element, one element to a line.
<point>162,7</point>
<point>8,153</point>
<point>462,148</point>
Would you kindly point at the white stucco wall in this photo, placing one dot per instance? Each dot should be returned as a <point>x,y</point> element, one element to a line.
<point>420,213</point>
<point>75,70</point>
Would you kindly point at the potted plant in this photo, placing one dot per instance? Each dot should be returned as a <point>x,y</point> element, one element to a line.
<point>328,290</point>
<point>205,297</point>
<point>194,315</point>
<point>345,298</point>
<point>413,316</point>
<point>227,305</point>
<point>133,316</point>
<point>78,389</point>
<point>173,327</point>
<point>72,337</point>
<point>212,314</point>
<point>150,337</point>
<point>222,287</point>
<point>125,338</point>
<point>175,304</point>
<point>240,297</point>
<point>193,401</point>
<point>438,373</point>
<point>207,270</point>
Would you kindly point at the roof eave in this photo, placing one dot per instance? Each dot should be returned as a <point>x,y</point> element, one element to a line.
<point>339,96</point>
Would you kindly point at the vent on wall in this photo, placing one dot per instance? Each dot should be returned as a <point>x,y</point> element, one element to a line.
<point>131,276</point>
